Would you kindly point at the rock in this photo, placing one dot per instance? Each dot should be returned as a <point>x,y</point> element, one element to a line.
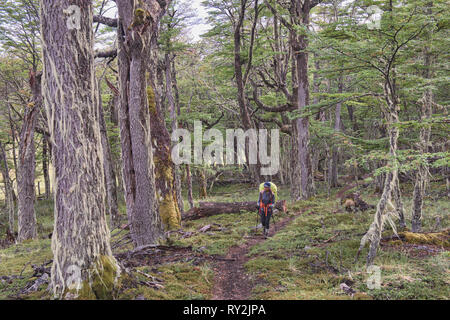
<point>205,228</point>
<point>344,287</point>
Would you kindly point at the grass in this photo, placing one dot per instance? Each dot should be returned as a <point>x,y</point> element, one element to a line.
<point>298,263</point>
<point>308,259</point>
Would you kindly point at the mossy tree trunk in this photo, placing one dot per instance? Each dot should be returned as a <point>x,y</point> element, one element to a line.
<point>26,171</point>
<point>169,210</point>
<point>136,26</point>
<point>391,190</point>
<point>83,265</point>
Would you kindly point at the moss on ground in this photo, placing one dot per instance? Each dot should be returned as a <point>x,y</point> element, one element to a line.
<point>308,259</point>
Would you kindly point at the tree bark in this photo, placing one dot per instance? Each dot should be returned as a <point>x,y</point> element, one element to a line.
<point>13,137</point>
<point>169,210</point>
<point>337,128</point>
<point>391,189</point>
<point>206,209</point>
<point>203,184</point>
<point>137,22</point>
<point>9,199</point>
<point>424,136</point>
<point>174,112</point>
<point>108,167</point>
<point>299,43</point>
<point>240,84</point>
<point>45,161</point>
<point>189,183</point>
<point>83,264</point>
<point>26,171</point>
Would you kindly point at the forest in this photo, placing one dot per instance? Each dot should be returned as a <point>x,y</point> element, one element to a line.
<point>224,150</point>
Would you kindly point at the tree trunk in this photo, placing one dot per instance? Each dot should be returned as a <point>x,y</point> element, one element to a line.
<point>189,183</point>
<point>206,209</point>
<point>13,137</point>
<point>299,44</point>
<point>9,200</point>
<point>83,265</point>
<point>26,171</point>
<point>45,162</point>
<point>203,184</point>
<point>247,123</point>
<point>385,206</point>
<point>108,167</point>
<point>424,136</point>
<point>164,166</point>
<point>136,22</point>
<point>337,128</point>
<point>174,112</point>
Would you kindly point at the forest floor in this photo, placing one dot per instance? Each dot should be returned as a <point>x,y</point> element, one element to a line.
<point>309,254</point>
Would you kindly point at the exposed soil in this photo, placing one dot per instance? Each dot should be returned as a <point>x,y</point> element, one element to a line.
<point>231,280</point>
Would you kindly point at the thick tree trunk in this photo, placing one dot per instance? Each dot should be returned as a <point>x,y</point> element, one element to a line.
<point>26,171</point>
<point>108,167</point>
<point>9,199</point>
<point>206,209</point>
<point>136,23</point>
<point>83,265</point>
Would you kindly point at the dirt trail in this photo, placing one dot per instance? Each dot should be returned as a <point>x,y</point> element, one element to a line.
<point>231,281</point>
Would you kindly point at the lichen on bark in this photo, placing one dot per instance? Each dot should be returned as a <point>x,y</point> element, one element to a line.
<point>81,238</point>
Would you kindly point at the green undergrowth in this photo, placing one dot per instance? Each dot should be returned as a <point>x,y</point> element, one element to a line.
<point>315,253</point>
<point>179,281</point>
<point>308,259</point>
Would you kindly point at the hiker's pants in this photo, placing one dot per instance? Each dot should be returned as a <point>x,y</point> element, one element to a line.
<point>265,220</point>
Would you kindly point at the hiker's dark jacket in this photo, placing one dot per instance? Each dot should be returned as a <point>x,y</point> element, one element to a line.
<point>267,198</point>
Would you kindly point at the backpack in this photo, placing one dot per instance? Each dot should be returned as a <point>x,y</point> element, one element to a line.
<point>273,187</point>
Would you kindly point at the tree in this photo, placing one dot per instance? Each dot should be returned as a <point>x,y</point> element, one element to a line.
<point>137,25</point>
<point>83,265</point>
<point>26,171</point>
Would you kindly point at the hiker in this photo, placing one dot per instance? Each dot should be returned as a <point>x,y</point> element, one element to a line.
<point>266,203</point>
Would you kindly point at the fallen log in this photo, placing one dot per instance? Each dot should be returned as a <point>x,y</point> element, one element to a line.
<point>206,209</point>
